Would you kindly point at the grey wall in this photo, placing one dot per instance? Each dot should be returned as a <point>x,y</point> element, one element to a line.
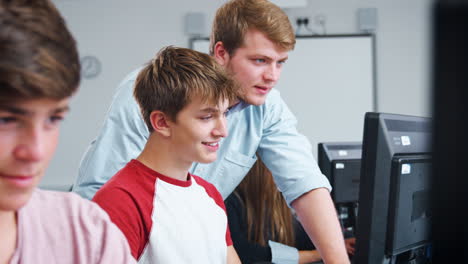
<point>402,39</point>
<point>124,34</point>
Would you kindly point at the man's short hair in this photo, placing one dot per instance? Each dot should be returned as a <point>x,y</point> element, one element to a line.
<point>177,75</point>
<point>38,55</point>
<point>236,17</point>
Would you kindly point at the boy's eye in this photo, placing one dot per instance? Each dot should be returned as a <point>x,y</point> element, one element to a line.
<point>206,117</point>
<point>260,60</point>
<point>55,119</point>
<point>7,120</point>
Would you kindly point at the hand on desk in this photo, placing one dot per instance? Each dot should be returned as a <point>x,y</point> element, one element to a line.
<point>350,244</point>
<point>308,256</point>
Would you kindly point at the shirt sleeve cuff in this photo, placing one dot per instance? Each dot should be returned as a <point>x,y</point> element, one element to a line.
<point>281,253</point>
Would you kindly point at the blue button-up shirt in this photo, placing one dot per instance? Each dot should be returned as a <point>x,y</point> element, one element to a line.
<point>269,129</point>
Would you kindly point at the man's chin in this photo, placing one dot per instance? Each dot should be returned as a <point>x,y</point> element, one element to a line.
<point>255,100</point>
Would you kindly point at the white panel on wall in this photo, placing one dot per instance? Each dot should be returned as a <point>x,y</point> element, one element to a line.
<point>328,82</point>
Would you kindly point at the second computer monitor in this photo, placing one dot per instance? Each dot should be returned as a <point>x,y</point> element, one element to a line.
<point>341,163</point>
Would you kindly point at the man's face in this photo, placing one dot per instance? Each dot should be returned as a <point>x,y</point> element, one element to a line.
<point>28,137</point>
<point>256,66</point>
<point>197,131</point>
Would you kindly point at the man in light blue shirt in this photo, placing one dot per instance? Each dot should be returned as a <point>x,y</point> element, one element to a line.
<point>251,39</point>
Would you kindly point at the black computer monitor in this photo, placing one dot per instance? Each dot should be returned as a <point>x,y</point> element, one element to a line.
<point>394,217</point>
<point>341,163</point>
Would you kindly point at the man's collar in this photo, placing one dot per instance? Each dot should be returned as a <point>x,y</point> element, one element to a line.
<point>238,107</point>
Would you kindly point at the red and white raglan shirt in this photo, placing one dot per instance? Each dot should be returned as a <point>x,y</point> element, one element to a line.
<point>167,220</point>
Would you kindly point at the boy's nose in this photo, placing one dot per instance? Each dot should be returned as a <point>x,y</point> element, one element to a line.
<point>31,146</point>
<point>221,128</point>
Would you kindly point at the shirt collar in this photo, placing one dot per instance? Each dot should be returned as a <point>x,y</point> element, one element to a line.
<point>237,107</point>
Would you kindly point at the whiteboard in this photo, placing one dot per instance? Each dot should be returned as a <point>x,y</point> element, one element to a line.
<point>329,84</point>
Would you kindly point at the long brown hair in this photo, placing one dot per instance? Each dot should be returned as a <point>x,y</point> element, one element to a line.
<point>266,209</point>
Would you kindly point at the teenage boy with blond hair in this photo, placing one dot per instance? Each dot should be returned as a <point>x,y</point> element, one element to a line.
<point>168,214</point>
<point>251,39</point>
<point>39,72</point>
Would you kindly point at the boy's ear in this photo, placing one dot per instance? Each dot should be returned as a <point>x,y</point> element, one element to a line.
<point>220,54</point>
<point>160,123</point>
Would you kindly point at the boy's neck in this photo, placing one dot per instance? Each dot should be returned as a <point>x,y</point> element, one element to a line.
<point>158,156</point>
<point>8,234</point>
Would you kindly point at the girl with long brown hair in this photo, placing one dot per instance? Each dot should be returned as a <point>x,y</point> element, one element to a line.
<point>263,227</point>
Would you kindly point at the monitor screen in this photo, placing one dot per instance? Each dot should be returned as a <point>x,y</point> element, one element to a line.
<point>394,216</point>
<point>409,212</point>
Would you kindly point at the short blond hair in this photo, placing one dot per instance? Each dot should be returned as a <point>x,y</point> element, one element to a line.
<point>236,17</point>
<point>175,76</point>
